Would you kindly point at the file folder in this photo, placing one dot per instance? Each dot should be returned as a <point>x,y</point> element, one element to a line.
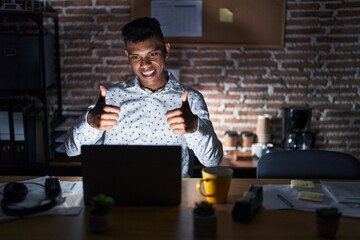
<point>6,148</point>
<point>35,137</point>
<point>20,111</point>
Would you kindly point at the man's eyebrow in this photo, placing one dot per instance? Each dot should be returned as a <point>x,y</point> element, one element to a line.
<point>155,50</point>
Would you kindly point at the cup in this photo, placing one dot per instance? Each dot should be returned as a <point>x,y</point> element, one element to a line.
<point>263,125</point>
<point>215,183</point>
<point>258,150</point>
<point>247,139</point>
<point>230,139</point>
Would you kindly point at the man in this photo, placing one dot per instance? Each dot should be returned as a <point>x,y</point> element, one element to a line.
<point>152,109</point>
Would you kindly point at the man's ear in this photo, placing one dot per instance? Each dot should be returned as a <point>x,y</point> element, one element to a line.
<point>126,53</point>
<point>167,48</point>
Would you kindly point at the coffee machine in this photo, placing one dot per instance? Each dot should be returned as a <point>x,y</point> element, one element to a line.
<point>296,128</point>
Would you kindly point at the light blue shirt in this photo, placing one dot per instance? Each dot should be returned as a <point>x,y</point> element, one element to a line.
<point>142,121</point>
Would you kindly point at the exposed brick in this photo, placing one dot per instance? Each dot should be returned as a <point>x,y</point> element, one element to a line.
<point>342,22</point>
<point>316,48</point>
<point>345,13</point>
<point>195,55</point>
<point>337,39</point>
<point>305,31</point>
<point>295,56</point>
<point>249,56</point>
<point>85,11</point>
<point>303,22</point>
<point>345,31</point>
<point>339,5</point>
<point>312,14</point>
<point>246,72</point>
<point>343,65</point>
<point>112,2</point>
<point>318,67</point>
<point>70,3</point>
<point>111,19</point>
<point>213,63</point>
<point>76,19</point>
<point>82,61</point>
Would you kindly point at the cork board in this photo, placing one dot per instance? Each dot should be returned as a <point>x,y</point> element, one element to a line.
<point>255,24</point>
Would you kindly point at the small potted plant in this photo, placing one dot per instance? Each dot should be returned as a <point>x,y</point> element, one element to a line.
<point>101,206</point>
<point>204,219</point>
<point>327,221</point>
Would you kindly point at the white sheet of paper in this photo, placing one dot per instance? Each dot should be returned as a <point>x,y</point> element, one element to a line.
<point>71,191</point>
<point>272,202</point>
<point>182,18</point>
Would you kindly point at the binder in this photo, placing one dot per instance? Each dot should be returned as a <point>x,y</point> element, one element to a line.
<point>6,148</point>
<point>20,145</point>
<point>35,137</point>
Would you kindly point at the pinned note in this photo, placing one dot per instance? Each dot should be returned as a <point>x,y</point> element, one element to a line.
<point>225,15</point>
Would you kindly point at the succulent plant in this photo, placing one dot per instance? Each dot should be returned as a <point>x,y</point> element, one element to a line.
<point>204,208</point>
<point>328,213</point>
<point>101,204</point>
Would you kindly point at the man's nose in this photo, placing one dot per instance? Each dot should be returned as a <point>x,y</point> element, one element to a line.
<point>145,61</point>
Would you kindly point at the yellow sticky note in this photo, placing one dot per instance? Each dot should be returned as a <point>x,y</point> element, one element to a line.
<point>311,196</point>
<point>225,15</point>
<point>299,184</point>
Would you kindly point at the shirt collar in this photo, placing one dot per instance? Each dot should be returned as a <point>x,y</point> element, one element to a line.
<point>172,83</point>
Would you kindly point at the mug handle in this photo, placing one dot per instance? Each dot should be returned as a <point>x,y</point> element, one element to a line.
<point>199,184</point>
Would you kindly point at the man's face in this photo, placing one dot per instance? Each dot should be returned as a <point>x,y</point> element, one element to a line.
<point>147,60</point>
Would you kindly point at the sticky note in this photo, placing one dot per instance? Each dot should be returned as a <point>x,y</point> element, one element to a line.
<point>311,196</point>
<point>299,184</point>
<point>225,15</point>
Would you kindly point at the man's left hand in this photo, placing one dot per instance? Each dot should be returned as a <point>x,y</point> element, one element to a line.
<point>182,120</point>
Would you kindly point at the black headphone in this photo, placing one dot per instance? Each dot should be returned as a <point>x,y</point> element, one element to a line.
<point>15,192</point>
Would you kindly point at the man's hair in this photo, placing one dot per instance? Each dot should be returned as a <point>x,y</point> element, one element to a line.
<point>142,29</point>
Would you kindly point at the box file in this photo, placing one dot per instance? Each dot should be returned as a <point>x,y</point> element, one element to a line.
<point>6,148</point>
<point>35,135</point>
<point>20,110</point>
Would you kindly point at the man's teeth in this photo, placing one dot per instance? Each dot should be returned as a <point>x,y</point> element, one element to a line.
<point>148,73</point>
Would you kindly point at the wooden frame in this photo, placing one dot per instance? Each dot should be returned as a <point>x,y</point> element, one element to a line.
<point>256,24</point>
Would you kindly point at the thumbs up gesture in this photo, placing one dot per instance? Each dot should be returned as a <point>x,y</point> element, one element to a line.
<point>102,116</point>
<point>182,120</point>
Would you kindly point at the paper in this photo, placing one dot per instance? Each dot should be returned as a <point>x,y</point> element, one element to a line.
<point>343,192</point>
<point>178,18</point>
<point>225,15</point>
<point>72,193</point>
<point>272,202</point>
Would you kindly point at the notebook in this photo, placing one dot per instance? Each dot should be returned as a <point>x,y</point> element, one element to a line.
<point>134,175</point>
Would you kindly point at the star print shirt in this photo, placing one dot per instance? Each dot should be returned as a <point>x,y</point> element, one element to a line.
<point>142,120</point>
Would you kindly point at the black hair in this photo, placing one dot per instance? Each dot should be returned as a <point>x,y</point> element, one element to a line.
<point>142,29</point>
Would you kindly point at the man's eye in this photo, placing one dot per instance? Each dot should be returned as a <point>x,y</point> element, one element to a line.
<point>154,54</point>
<point>134,57</point>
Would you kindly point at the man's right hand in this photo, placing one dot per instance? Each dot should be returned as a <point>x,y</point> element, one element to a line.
<point>102,116</point>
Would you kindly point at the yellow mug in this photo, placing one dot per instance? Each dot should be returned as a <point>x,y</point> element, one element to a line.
<point>216,183</point>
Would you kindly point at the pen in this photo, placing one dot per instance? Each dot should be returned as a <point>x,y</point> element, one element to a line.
<point>72,187</point>
<point>284,200</point>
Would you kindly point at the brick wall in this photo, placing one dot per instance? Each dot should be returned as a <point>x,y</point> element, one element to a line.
<point>319,66</point>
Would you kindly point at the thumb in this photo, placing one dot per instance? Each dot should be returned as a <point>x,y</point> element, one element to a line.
<point>101,100</point>
<point>184,97</point>
<point>102,90</point>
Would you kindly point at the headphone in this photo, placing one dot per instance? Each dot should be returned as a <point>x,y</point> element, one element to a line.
<point>15,192</point>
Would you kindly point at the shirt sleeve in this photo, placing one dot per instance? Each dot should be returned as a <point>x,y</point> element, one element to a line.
<point>81,134</point>
<point>204,142</point>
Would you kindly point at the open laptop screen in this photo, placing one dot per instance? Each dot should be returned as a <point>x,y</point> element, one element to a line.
<point>134,175</point>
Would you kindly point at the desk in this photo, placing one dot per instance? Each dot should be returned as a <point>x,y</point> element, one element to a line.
<point>176,222</point>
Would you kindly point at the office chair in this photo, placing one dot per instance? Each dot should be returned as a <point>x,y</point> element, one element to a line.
<point>316,164</point>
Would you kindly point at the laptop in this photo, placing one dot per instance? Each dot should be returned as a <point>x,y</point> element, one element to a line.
<point>134,175</point>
